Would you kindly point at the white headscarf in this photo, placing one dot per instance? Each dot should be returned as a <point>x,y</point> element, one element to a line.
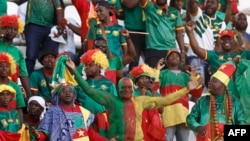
<point>41,102</point>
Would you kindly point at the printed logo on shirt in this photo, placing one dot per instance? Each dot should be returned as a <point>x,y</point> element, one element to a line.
<point>173,16</point>
<point>43,83</point>
<point>115,33</point>
<point>104,87</point>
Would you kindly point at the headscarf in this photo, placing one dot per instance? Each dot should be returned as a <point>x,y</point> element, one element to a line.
<point>41,102</point>
<point>57,90</point>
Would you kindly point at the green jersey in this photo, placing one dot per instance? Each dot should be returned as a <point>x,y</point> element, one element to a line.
<point>18,101</point>
<point>17,56</point>
<point>102,84</point>
<point>38,83</point>
<point>133,18</point>
<point>9,120</point>
<point>42,12</point>
<point>161,27</point>
<point>215,59</point>
<point>114,38</point>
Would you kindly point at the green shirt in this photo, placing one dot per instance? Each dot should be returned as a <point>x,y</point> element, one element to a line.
<point>41,12</point>
<point>17,55</point>
<point>10,121</point>
<point>161,27</point>
<point>216,59</point>
<point>38,82</point>
<point>114,64</point>
<point>133,18</point>
<point>102,84</point>
<point>18,100</point>
<point>200,113</point>
<point>242,83</point>
<point>3,9</point>
<point>114,38</point>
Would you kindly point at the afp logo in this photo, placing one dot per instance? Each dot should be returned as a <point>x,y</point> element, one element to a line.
<point>236,132</point>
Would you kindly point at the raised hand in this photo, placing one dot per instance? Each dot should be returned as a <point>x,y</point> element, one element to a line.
<point>192,71</point>
<point>190,26</point>
<point>194,83</point>
<point>160,64</point>
<point>70,64</point>
<point>124,32</point>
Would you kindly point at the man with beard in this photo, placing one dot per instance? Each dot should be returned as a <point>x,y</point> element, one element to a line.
<point>243,38</point>
<point>164,25</point>
<point>125,111</point>
<point>206,32</point>
<point>213,111</point>
<point>214,58</point>
<point>40,80</point>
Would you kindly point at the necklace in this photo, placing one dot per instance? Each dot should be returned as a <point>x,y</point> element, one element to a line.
<point>218,135</point>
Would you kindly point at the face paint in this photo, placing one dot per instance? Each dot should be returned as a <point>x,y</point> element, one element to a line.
<point>126,88</point>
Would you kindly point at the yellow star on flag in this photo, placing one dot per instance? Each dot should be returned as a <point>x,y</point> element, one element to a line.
<point>80,132</point>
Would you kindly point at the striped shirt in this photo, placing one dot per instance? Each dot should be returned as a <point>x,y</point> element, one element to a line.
<point>207,29</point>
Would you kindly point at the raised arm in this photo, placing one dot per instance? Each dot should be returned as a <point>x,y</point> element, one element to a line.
<point>127,58</point>
<point>202,53</point>
<point>158,102</point>
<point>101,97</point>
<point>59,13</point>
<point>192,7</point>
<point>228,11</point>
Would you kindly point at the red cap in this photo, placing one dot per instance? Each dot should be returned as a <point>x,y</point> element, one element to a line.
<point>227,32</point>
